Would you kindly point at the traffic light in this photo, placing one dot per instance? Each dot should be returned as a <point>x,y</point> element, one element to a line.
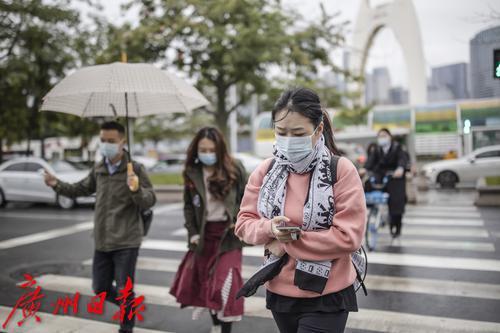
<point>496,64</point>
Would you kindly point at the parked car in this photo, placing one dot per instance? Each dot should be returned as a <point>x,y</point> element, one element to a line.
<point>173,163</point>
<point>21,179</point>
<point>468,169</point>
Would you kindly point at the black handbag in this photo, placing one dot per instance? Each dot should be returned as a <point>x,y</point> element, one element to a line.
<point>147,218</point>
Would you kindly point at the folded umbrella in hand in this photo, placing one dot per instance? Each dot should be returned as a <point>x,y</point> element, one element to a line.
<point>271,267</point>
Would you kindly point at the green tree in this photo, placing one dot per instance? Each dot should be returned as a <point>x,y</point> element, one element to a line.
<point>225,43</point>
<point>36,50</point>
<point>173,126</point>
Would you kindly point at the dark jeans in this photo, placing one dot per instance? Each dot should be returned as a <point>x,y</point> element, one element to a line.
<point>308,322</point>
<point>115,266</point>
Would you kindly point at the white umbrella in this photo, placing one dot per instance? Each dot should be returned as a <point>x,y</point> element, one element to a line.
<point>89,91</point>
<point>122,90</point>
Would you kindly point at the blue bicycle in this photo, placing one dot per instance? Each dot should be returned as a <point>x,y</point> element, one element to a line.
<point>377,213</point>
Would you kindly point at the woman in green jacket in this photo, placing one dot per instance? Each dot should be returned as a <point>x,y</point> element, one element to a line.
<point>210,273</point>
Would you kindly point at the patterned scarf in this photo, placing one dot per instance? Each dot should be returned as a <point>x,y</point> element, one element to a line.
<point>319,207</point>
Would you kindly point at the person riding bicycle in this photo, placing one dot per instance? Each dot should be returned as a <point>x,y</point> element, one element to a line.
<point>390,158</point>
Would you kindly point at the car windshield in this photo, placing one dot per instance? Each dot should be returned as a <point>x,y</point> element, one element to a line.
<point>62,166</point>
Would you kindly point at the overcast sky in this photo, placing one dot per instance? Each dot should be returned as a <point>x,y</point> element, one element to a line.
<point>446,27</point>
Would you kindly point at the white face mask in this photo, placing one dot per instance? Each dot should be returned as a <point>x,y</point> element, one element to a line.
<point>208,159</point>
<point>293,148</point>
<point>109,150</point>
<point>384,141</point>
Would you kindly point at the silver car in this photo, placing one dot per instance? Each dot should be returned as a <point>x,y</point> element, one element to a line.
<point>21,180</point>
<point>482,162</point>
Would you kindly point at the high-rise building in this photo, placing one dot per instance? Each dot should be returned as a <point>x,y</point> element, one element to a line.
<point>453,78</point>
<point>398,95</point>
<point>483,83</point>
<point>440,93</point>
<point>377,86</point>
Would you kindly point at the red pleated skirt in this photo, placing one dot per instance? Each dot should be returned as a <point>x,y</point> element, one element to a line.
<point>203,280</point>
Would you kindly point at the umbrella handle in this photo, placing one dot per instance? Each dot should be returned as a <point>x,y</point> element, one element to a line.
<point>132,179</point>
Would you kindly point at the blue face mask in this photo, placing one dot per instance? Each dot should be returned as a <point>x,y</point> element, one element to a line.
<point>295,149</point>
<point>208,159</point>
<point>109,150</point>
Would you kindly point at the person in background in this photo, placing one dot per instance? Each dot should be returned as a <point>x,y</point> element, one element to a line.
<point>306,185</point>
<point>390,158</point>
<point>121,195</point>
<point>210,273</point>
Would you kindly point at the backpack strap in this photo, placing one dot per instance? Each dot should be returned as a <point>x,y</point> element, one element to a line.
<point>273,161</point>
<point>333,167</point>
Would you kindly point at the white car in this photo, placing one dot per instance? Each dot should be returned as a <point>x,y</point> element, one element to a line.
<point>250,162</point>
<point>22,180</point>
<point>468,169</point>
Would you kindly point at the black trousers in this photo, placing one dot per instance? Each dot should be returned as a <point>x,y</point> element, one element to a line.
<point>225,327</point>
<point>115,266</point>
<point>308,322</point>
<point>396,224</point>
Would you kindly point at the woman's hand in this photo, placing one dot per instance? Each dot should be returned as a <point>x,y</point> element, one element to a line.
<point>282,236</point>
<point>276,248</point>
<point>398,173</point>
<point>195,239</point>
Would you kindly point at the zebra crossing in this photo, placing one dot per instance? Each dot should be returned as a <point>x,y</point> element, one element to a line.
<point>443,276</point>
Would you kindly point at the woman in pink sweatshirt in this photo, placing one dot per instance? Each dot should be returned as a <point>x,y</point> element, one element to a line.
<point>308,186</point>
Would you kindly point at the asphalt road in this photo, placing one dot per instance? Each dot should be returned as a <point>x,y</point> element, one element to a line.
<point>443,276</point>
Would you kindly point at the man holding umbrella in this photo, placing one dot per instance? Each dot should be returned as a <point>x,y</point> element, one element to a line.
<point>121,194</point>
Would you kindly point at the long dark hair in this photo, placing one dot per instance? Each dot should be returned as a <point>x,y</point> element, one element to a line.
<point>307,103</point>
<point>225,175</point>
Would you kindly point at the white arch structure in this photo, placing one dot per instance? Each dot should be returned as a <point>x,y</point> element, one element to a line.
<point>400,17</point>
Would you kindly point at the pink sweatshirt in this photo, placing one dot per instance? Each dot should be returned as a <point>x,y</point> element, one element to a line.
<point>335,243</point>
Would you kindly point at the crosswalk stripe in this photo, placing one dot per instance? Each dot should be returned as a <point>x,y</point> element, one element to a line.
<point>388,321</point>
<point>397,259</point>
<point>45,235</point>
<point>367,319</point>
<point>179,232</point>
<point>373,282</point>
<point>442,221</point>
<point>448,214</point>
<point>44,216</point>
<point>439,244</point>
<point>378,258</point>
<point>412,230</point>
<point>65,231</point>
<point>434,261</point>
<point>55,323</point>
<point>420,208</point>
<point>416,243</point>
<point>168,208</point>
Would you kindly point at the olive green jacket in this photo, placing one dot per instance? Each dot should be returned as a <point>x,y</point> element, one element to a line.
<point>117,220</point>
<point>195,212</point>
